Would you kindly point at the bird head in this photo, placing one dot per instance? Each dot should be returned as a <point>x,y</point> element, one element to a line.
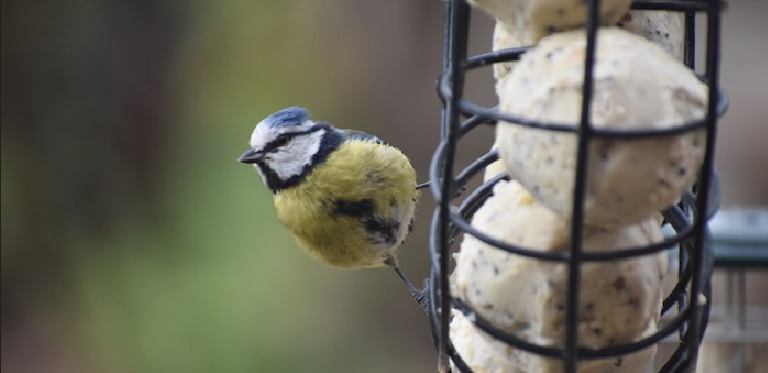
<point>285,146</point>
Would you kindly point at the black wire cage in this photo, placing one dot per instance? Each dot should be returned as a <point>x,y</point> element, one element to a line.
<point>688,218</point>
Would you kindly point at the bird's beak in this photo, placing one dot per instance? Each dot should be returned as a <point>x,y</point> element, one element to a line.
<point>251,156</point>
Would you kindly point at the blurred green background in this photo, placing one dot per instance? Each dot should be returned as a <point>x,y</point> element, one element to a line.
<point>133,242</point>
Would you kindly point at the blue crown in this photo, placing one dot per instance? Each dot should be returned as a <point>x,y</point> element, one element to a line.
<point>291,116</point>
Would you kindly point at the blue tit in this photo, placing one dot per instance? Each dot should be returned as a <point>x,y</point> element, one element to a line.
<point>346,196</point>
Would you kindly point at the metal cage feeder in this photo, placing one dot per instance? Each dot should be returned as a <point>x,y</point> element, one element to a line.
<point>688,219</point>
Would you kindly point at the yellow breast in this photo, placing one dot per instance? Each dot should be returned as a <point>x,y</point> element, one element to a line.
<point>354,210</point>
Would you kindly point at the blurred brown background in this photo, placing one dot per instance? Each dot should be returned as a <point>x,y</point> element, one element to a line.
<point>133,242</point>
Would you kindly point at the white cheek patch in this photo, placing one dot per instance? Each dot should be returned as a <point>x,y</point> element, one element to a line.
<point>290,160</point>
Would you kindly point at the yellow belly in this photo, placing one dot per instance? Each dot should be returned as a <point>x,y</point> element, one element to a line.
<point>354,210</point>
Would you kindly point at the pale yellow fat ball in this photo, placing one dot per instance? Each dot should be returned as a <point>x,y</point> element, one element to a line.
<point>620,301</point>
<point>661,27</point>
<point>667,29</point>
<point>637,86</point>
<point>534,19</point>
<point>484,354</point>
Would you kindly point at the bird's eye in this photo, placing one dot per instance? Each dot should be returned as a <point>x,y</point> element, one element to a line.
<point>282,140</point>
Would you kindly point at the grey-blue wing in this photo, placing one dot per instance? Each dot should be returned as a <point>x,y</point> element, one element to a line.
<point>352,135</point>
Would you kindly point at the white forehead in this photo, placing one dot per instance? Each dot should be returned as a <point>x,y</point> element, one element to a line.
<point>266,132</point>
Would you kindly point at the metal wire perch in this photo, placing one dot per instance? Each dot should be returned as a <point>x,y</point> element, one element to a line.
<point>688,219</point>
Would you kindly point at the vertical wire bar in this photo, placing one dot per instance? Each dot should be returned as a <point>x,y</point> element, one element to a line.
<point>689,41</point>
<point>682,297</point>
<point>447,36</point>
<point>689,59</point>
<point>577,223</point>
<point>712,73</point>
<point>438,239</point>
<point>459,30</point>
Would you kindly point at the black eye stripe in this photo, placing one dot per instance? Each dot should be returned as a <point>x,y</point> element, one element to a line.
<point>278,142</point>
<point>284,138</point>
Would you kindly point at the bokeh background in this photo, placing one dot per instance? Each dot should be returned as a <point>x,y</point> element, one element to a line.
<point>133,242</point>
